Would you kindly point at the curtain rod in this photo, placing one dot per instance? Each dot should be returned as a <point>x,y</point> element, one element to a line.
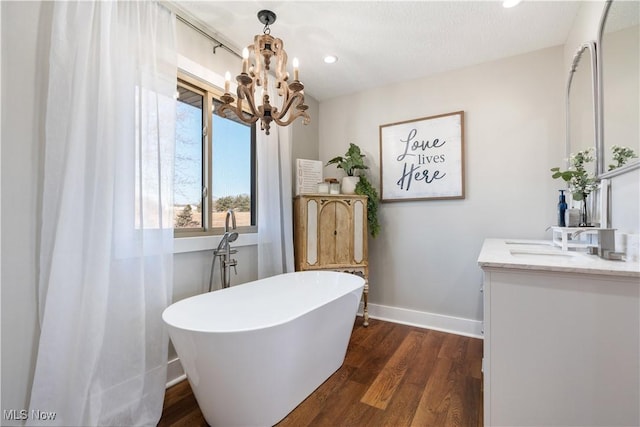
<point>218,42</point>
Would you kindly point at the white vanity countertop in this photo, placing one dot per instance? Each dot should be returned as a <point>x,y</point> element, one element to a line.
<point>543,255</point>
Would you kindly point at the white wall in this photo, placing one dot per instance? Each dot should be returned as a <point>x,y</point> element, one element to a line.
<point>425,256</point>
<point>25,46</point>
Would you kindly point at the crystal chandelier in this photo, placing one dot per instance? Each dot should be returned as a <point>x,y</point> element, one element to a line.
<point>265,47</point>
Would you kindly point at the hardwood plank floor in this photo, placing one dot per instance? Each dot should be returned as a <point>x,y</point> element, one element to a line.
<point>393,375</point>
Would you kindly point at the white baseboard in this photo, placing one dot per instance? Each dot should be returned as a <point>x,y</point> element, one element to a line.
<point>422,319</point>
<point>175,373</point>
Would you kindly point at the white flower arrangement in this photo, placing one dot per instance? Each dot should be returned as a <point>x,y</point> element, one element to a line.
<point>581,183</point>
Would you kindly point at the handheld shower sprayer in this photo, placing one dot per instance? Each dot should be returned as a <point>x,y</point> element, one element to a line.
<point>224,251</point>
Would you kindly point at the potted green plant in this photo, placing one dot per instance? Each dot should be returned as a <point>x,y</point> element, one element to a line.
<point>352,161</point>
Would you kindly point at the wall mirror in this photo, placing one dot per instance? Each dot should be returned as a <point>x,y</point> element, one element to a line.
<point>618,71</point>
<point>581,105</point>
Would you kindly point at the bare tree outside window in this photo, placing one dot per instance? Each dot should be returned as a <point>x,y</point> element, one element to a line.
<point>188,174</point>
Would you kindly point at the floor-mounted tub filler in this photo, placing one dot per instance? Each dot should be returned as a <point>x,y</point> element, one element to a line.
<point>253,352</point>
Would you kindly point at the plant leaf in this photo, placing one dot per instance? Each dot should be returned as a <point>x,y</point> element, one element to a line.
<point>337,159</point>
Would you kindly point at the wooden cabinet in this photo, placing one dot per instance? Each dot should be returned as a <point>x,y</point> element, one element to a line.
<point>330,233</point>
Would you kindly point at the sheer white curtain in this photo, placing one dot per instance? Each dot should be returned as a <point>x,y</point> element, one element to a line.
<point>275,221</point>
<point>106,256</point>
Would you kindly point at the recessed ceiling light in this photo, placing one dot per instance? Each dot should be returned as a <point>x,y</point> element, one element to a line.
<point>330,59</point>
<point>510,3</point>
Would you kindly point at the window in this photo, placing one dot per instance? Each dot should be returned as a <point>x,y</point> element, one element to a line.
<point>215,164</point>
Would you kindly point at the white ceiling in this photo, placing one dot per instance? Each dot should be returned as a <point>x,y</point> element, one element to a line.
<point>383,42</point>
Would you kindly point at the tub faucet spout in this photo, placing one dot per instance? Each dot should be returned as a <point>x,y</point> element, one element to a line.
<point>230,215</point>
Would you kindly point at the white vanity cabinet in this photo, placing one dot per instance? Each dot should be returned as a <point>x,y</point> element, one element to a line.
<point>561,338</point>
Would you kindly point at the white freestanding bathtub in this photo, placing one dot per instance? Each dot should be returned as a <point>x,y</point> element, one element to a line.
<point>253,352</point>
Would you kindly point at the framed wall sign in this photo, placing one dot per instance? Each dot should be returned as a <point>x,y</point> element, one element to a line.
<point>423,158</point>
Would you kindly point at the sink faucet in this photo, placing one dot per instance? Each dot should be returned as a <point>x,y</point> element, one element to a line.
<point>606,243</point>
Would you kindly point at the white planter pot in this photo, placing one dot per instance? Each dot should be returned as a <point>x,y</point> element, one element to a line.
<point>349,184</point>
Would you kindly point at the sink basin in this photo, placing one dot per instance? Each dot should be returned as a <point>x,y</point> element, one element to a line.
<point>528,242</point>
<point>538,254</point>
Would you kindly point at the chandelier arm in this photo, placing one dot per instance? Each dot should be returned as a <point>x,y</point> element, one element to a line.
<point>255,48</point>
<point>245,92</point>
<point>289,102</point>
<point>222,112</point>
<point>251,118</point>
<point>238,111</point>
<point>281,54</point>
<point>292,117</point>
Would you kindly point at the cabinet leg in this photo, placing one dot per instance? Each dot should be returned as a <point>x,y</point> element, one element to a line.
<point>365,309</point>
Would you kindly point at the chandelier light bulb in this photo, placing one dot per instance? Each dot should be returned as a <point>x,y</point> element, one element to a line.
<point>245,59</point>
<point>296,64</point>
<point>227,81</point>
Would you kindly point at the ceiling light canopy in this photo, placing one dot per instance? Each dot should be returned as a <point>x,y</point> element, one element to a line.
<point>330,59</point>
<point>264,49</point>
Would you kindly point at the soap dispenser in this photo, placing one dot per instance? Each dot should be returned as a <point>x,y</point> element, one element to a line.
<point>562,207</point>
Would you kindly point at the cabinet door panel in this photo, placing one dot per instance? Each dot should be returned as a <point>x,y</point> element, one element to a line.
<point>343,234</point>
<point>327,234</point>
